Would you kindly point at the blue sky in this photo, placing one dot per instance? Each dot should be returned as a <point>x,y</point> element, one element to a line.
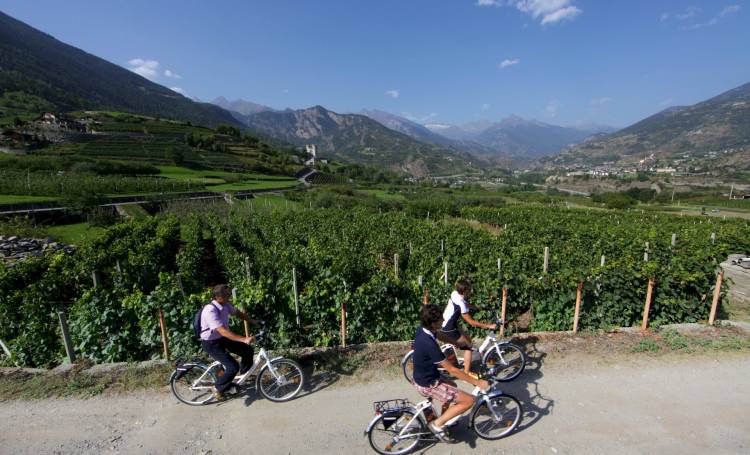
<point>447,61</point>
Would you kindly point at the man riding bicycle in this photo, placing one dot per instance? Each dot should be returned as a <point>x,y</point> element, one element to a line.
<point>218,341</point>
<point>427,378</point>
<point>450,331</point>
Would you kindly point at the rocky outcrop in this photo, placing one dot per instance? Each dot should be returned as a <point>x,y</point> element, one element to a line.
<point>13,248</point>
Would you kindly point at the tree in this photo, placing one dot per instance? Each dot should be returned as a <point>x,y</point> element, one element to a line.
<point>175,155</point>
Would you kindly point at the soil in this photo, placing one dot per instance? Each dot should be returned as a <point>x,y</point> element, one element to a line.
<point>597,393</point>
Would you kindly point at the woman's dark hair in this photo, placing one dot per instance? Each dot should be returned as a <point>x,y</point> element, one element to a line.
<point>463,285</point>
<point>429,314</point>
<point>220,290</point>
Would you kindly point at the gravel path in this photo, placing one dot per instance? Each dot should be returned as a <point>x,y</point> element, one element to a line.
<point>636,404</point>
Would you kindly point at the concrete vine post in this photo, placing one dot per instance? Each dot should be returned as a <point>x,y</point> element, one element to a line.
<point>69,351</point>
<point>296,296</point>
<point>343,318</point>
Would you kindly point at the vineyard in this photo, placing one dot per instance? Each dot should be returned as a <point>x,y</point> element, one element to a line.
<point>377,265</point>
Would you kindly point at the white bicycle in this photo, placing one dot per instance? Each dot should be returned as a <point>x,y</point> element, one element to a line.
<point>504,358</point>
<point>399,426</point>
<point>279,379</point>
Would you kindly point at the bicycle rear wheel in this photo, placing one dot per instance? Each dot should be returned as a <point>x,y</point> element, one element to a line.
<point>500,423</point>
<point>508,360</point>
<point>384,433</point>
<point>194,386</point>
<point>407,366</point>
<point>283,386</point>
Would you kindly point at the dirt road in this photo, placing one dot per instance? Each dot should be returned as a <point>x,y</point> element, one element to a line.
<point>672,404</point>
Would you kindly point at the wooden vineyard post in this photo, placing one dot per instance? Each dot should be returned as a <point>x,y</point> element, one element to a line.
<point>647,307</point>
<point>717,295</point>
<point>503,307</point>
<point>426,296</point>
<point>95,278</point>
<point>65,337</point>
<point>603,261</point>
<point>164,339</point>
<point>578,306</point>
<point>445,274</point>
<point>395,265</point>
<point>546,259</point>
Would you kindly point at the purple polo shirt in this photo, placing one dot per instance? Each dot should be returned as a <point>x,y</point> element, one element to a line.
<point>213,316</point>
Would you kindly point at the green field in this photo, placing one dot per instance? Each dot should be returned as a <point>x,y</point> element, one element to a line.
<point>254,185</point>
<point>272,200</point>
<point>385,195</point>
<point>74,233</point>
<point>12,199</point>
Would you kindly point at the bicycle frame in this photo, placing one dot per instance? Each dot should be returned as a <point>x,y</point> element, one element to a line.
<point>240,379</point>
<point>490,342</point>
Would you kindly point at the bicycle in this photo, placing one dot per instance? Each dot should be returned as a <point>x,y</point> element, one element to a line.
<point>279,379</point>
<point>399,426</point>
<point>509,358</point>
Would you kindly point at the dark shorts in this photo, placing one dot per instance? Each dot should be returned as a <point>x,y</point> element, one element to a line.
<point>452,338</point>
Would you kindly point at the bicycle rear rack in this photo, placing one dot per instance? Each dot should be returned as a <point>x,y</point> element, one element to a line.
<point>389,406</point>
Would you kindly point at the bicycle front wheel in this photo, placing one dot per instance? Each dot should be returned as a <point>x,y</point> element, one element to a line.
<point>194,386</point>
<point>508,360</point>
<point>499,421</point>
<point>285,384</point>
<point>394,435</point>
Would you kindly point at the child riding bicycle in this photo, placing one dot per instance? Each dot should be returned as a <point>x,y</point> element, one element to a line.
<point>427,378</point>
<point>450,331</point>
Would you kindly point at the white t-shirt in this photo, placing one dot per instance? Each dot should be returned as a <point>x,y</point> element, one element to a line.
<point>453,310</point>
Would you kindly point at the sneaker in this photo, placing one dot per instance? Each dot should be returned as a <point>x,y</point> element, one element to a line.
<point>473,375</point>
<point>218,396</point>
<point>440,433</point>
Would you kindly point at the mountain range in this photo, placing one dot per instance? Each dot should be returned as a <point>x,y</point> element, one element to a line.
<point>519,138</point>
<point>69,79</point>
<point>354,138</point>
<point>718,127</point>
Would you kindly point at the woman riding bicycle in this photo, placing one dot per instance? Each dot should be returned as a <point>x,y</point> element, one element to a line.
<point>450,331</point>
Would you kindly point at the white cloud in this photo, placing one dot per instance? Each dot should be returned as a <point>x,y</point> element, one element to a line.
<point>731,9</point>
<point>666,102</point>
<point>547,11</point>
<point>600,101</point>
<point>485,106</point>
<point>172,74</point>
<point>508,62</point>
<point>178,90</point>
<point>286,90</point>
<point>552,107</point>
<point>692,13</point>
<point>562,14</point>
<point>393,93</point>
<point>145,68</point>
<point>420,119</point>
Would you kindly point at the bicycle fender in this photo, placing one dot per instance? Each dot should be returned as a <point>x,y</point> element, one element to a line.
<point>275,359</point>
<point>182,370</point>
<point>371,424</point>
